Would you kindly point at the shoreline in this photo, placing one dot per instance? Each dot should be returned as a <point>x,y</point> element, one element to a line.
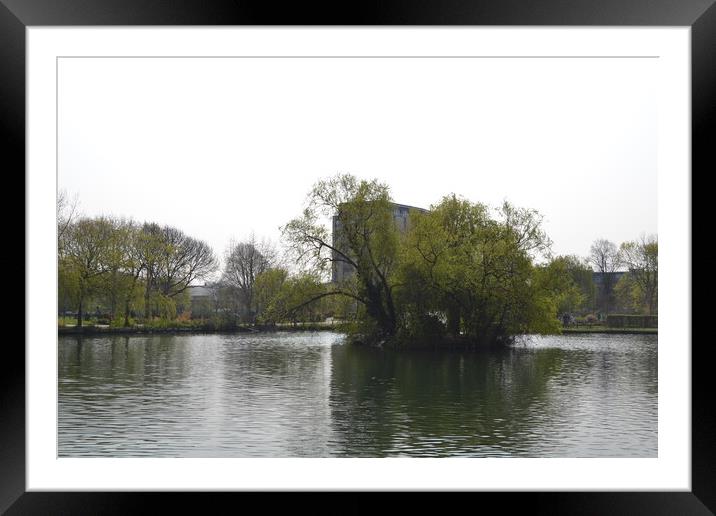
<point>95,331</point>
<point>616,331</point>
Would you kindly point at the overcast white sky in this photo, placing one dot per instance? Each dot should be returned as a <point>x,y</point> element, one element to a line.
<point>223,147</point>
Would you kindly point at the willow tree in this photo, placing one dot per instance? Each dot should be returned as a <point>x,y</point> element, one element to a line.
<point>364,240</point>
<point>85,256</point>
<point>295,298</point>
<point>150,247</point>
<point>132,265</point>
<point>577,293</point>
<point>476,271</point>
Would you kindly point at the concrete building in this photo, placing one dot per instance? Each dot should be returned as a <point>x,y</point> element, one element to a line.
<point>342,270</point>
<point>202,299</point>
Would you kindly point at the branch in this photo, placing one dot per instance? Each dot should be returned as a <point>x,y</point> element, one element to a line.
<point>326,294</point>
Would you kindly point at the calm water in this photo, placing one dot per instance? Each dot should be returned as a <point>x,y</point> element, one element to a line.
<point>309,394</point>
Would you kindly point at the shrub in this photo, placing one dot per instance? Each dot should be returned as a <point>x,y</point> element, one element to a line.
<point>423,330</point>
<point>118,322</point>
<point>632,321</point>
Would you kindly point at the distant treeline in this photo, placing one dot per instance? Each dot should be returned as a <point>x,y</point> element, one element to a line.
<point>459,271</point>
<point>119,272</point>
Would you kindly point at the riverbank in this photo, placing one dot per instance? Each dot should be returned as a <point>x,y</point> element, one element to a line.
<point>181,330</point>
<point>605,329</point>
<point>336,327</point>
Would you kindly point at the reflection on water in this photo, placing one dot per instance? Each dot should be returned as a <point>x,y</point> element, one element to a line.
<point>311,395</point>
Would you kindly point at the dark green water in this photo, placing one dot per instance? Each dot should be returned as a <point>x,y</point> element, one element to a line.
<point>311,395</point>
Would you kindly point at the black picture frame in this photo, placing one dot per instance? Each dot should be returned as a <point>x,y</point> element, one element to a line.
<point>700,15</point>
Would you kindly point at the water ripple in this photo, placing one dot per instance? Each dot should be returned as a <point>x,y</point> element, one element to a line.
<point>310,395</point>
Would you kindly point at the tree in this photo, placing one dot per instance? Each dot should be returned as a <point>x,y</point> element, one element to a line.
<point>67,213</point>
<point>114,281</point>
<point>366,240</point>
<point>641,257</point>
<point>149,247</point>
<point>86,256</point>
<point>295,300</point>
<point>628,294</point>
<point>267,288</point>
<point>475,272</point>
<point>170,261</point>
<point>182,260</point>
<point>580,292</point>
<point>604,256</point>
<point>244,262</point>
<point>132,265</point>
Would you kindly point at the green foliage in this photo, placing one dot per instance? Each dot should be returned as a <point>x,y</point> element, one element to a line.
<point>63,321</point>
<point>159,323</point>
<point>267,289</point>
<point>459,270</point>
<point>164,306</point>
<point>578,292</point>
<point>477,271</point>
<point>629,294</point>
<point>120,267</point>
<point>118,322</point>
<point>295,299</point>
<point>365,239</point>
<point>559,279</point>
<point>419,329</point>
<point>641,257</point>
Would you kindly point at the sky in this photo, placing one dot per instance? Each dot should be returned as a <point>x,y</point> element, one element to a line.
<point>221,148</point>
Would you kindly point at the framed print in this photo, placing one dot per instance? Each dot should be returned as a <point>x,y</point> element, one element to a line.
<point>413,250</point>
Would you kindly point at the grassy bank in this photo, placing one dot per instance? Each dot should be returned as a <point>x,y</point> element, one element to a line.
<point>196,328</point>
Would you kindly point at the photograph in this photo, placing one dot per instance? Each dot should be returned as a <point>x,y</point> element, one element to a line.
<point>399,247</point>
<point>389,257</point>
<point>357,257</point>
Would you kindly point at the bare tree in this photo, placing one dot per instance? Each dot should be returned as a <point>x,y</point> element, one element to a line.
<point>244,261</point>
<point>184,260</point>
<point>67,212</point>
<point>171,261</point>
<point>605,257</point>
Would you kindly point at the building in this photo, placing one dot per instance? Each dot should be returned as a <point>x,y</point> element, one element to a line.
<point>202,300</point>
<point>342,270</point>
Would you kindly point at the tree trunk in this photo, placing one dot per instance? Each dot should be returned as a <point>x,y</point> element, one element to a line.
<point>126,313</point>
<point>112,307</point>
<point>651,303</point>
<point>79,314</point>
<point>453,320</point>
<point>147,306</point>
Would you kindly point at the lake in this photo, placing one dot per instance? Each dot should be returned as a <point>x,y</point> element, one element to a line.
<point>313,395</point>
